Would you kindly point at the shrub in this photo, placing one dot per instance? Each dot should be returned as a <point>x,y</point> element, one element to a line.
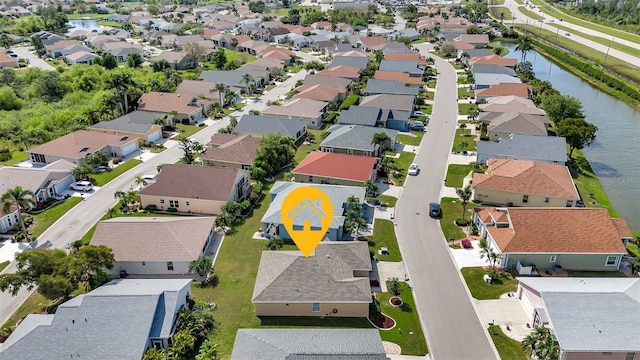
<point>201,124</point>
<point>151,207</point>
<point>484,137</point>
<point>331,118</point>
<point>352,99</point>
<point>5,154</point>
<point>462,222</point>
<point>172,209</point>
<point>116,160</point>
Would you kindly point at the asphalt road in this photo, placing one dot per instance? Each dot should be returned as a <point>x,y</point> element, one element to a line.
<point>535,24</point>
<point>34,60</point>
<point>452,326</point>
<point>77,221</point>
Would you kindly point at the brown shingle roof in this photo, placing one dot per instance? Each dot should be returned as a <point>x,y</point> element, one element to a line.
<point>154,238</point>
<point>505,89</point>
<point>298,107</point>
<point>197,88</point>
<point>521,123</point>
<point>527,177</point>
<point>80,143</point>
<point>238,150</point>
<point>345,71</point>
<point>398,76</point>
<point>318,92</point>
<point>167,102</point>
<point>336,166</point>
<point>193,182</point>
<point>170,56</point>
<point>373,40</point>
<point>623,228</point>
<point>406,57</point>
<point>493,60</point>
<point>559,230</point>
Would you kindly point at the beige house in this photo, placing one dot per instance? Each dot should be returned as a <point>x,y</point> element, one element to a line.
<point>525,183</point>
<point>339,286</point>
<point>138,124</point>
<point>154,245</point>
<point>505,124</point>
<point>335,168</point>
<point>311,111</point>
<point>230,150</point>
<point>195,189</point>
<point>190,108</point>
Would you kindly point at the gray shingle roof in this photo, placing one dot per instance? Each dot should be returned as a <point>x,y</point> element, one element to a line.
<point>410,67</point>
<point>230,78</point>
<point>327,80</point>
<point>355,137</point>
<point>113,322</point>
<point>139,122</point>
<point>492,69</point>
<point>262,125</point>
<point>526,147</point>
<point>358,62</point>
<point>519,123</point>
<point>316,344</point>
<point>486,80</point>
<point>337,194</point>
<point>358,115</point>
<point>474,52</point>
<point>389,101</point>
<point>283,276</point>
<point>377,86</point>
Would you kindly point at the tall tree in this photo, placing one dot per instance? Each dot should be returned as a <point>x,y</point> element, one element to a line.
<point>219,58</point>
<point>201,266</point>
<point>134,60</point>
<point>464,194</point>
<point>194,51</point>
<point>22,199</point>
<point>371,188</point>
<point>121,82</point>
<point>578,132</point>
<point>221,88</point>
<point>560,107</point>
<point>380,139</point>
<point>188,149</point>
<point>524,45</point>
<point>140,181</point>
<point>109,61</point>
<point>247,80</point>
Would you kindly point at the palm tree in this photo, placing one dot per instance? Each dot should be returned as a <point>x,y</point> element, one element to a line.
<point>201,266</point>
<point>380,139</point>
<point>162,121</point>
<point>122,197</point>
<point>462,145</point>
<point>473,114</point>
<point>82,171</point>
<point>247,80</point>
<point>464,194</point>
<point>275,243</point>
<point>493,257</point>
<point>221,89</point>
<point>159,167</point>
<point>541,345</point>
<point>372,188</point>
<point>524,45</point>
<point>140,181</point>
<point>21,199</point>
<point>121,83</point>
<point>465,57</point>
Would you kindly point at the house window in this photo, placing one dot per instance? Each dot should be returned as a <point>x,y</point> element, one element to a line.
<point>310,178</point>
<point>170,265</point>
<point>161,201</point>
<point>187,203</point>
<point>546,200</point>
<point>349,152</point>
<point>569,203</point>
<point>174,203</point>
<point>525,199</point>
<point>552,258</point>
<point>611,261</point>
<point>316,307</point>
<point>630,356</point>
<point>246,167</point>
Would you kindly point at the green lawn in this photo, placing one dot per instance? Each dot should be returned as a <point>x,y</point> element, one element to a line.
<point>76,16</point>
<point>103,178</point>
<point>35,304</point>
<point>402,165</point>
<point>188,130</point>
<point>530,13</point>
<point>463,93</point>
<point>497,10</point>
<point>590,188</point>
<point>43,220</point>
<point>387,200</point>
<point>408,332</point>
<point>4,265</point>
<point>456,173</point>
<point>633,249</point>
<point>384,235</point>
<point>110,23</point>
<point>16,155</point>
<point>481,290</point>
<point>304,150</point>
<point>463,109</point>
<point>466,136</point>
<point>596,274</point>
<point>410,140</point>
<point>239,55</point>
<point>604,41</point>
<point>507,347</point>
<point>452,210</point>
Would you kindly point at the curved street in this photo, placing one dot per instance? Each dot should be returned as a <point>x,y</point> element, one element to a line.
<point>451,324</point>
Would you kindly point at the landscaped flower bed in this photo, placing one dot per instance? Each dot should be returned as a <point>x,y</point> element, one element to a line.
<point>396,301</point>
<point>382,321</point>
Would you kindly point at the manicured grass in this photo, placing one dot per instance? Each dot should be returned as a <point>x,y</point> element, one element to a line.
<point>452,210</point>
<point>633,249</point>
<point>239,55</point>
<point>187,130</point>
<point>408,332</point>
<point>530,13</point>
<point>624,48</point>
<point>589,187</point>
<point>387,200</point>
<point>456,173</point>
<point>426,108</point>
<point>410,140</point>
<point>43,220</point>
<point>16,154</point>
<point>497,10</point>
<point>464,135</point>
<point>506,346</point>
<point>481,290</point>
<point>103,178</point>
<point>384,235</point>
<point>305,149</point>
<point>333,322</point>
<point>110,23</point>
<point>402,165</point>
<point>4,265</point>
<point>463,93</point>
<point>596,274</point>
<point>76,16</point>
<point>35,304</point>
<point>463,109</point>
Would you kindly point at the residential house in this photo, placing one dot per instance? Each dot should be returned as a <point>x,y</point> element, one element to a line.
<point>371,43</point>
<point>459,45</point>
<point>589,317</point>
<point>335,168</point>
<point>7,61</point>
<point>410,33</point>
<point>339,82</point>
<point>103,319</point>
<point>343,71</point>
<point>232,78</point>
<point>493,60</point>
<point>401,106</point>
<point>330,344</point>
<point>321,93</point>
<point>367,116</point>
<point>249,46</point>
<point>389,87</point>
<point>512,104</point>
<point>506,124</point>
<point>99,40</point>
<point>477,40</point>
<point>122,49</point>
<point>410,67</point>
<point>118,18</point>
<point>485,81</point>
<point>548,149</point>
<point>504,89</point>
<point>136,124</point>
<point>190,108</point>
<point>399,76</point>
<point>360,62</point>
<point>183,40</point>
<point>492,69</point>
<point>582,239</point>
<point>195,189</point>
<point>311,111</point>
<point>179,60</point>
<point>356,140</point>
<point>56,48</point>
<point>80,57</point>
<point>154,246</point>
<point>471,53</point>
<point>76,146</point>
<point>350,5</point>
<point>230,150</point>
<point>525,183</point>
<point>339,286</point>
<point>204,89</point>
<point>412,56</point>
<point>263,125</point>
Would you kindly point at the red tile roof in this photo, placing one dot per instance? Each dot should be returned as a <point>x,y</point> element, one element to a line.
<point>397,75</point>
<point>336,166</point>
<point>493,60</point>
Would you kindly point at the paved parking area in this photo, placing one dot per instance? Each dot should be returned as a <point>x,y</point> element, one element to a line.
<point>468,257</point>
<point>505,312</point>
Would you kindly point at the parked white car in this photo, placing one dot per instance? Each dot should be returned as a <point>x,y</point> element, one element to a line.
<point>413,169</point>
<point>81,186</point>
<point>149,179</point>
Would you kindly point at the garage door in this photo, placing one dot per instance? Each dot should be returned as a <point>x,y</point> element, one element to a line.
<point>129,148</point>
<point>155,136</point>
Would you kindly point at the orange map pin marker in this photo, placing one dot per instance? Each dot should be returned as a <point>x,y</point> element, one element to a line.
<point>306,213</point>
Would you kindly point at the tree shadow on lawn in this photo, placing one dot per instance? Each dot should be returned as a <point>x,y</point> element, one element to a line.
<point>406,308</point>
<point>277,321</point>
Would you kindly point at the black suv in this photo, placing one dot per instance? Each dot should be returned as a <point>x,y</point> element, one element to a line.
<point>434,210</point>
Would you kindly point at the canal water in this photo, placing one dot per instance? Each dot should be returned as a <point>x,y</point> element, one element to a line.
<point>615,155</point>
<point>86,25</point>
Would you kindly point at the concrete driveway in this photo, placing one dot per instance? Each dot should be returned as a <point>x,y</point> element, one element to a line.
<point>505,312</point>
<point>34,60</point>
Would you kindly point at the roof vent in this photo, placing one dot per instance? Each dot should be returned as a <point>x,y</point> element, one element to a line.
<point>328,256</point>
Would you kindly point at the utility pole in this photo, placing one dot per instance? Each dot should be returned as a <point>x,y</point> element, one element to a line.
<point>607,54</point>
